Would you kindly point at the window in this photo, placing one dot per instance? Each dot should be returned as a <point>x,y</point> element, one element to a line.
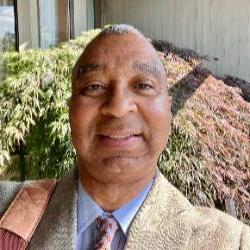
<point>54,22</point>
<point>8,33</point>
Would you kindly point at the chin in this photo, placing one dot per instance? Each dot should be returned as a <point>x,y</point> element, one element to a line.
<point>120,163</point>
<point>126,168</point>
<point>120,169</point>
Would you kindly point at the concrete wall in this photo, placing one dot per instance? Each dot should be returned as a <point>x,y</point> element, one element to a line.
<point>219,29</point>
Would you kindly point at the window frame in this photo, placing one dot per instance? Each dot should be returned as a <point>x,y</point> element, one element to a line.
<point>16,25</point>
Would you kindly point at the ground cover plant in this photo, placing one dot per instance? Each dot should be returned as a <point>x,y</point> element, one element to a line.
<point>208,153</point>
<point>215,117</point>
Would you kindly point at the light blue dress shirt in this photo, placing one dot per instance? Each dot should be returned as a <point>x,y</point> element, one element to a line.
<point>88,211</point>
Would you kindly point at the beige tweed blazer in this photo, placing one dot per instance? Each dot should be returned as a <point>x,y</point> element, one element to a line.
<point>166,220</point>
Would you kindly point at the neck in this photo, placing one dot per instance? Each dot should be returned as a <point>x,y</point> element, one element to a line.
<point>111,196</point>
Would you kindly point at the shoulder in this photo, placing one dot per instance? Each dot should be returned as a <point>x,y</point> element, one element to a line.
<point>8,191</point>
<point>212,225</point>
<point>203,225</point>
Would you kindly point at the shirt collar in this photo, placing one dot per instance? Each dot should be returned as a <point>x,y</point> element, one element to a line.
<point>88,210</point>
<point>125,214</point>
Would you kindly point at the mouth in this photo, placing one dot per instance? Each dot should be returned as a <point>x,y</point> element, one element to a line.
<point>118,140</point>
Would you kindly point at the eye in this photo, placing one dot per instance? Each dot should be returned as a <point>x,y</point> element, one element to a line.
<point>144,86</point>
<point>94,89</point>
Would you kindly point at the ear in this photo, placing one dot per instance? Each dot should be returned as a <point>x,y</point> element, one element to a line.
<point>70,109</point>
<point>169,115</point>
<point>169,102</point>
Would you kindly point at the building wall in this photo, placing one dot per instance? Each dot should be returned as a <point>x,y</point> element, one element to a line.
<point>219,29</point>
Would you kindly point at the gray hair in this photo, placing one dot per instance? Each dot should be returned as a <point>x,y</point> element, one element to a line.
<point>120,29</point>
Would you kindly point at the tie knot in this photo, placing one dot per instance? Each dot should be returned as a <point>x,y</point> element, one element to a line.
<point>107,226</point>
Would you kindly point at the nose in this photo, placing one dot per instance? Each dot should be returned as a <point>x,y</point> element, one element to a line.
<point>119,103</point>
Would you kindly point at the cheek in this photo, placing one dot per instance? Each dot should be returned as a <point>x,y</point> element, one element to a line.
<point>158,117</point>
<point>81,117</point>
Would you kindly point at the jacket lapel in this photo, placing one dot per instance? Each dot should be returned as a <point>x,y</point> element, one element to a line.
<point>57,229</point>
<point>161,222</point>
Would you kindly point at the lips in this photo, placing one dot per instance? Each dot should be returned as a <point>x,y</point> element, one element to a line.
<point>117,137</point>
<point>118,140</point>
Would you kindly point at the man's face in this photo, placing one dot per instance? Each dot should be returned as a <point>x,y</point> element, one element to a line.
<point>120,110</point>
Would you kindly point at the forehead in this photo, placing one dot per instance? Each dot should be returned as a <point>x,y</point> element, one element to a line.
<point>122,50</point>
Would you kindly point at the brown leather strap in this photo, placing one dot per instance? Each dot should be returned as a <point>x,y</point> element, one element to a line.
<point>25,212</point>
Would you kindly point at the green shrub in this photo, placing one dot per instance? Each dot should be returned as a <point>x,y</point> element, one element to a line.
<point>34,109</point>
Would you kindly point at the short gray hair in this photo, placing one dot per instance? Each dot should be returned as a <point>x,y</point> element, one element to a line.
<point>120,29</point>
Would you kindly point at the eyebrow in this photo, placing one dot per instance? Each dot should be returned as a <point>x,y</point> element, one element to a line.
<point>88,68</point>
<point>148,68</point>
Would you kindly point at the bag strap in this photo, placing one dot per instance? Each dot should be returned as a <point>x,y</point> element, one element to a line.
<point>25,212</point>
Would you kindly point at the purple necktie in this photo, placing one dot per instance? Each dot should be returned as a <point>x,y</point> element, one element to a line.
<point>107,226</point>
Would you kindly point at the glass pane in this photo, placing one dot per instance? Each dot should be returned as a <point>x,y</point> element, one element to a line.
<point>54,26</point>
<point>48,23</point>
<point>7,26</point>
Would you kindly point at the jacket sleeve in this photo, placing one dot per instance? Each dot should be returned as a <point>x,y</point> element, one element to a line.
<point>245,238</point>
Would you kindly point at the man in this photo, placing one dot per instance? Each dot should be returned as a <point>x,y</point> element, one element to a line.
<point>120,116</point>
